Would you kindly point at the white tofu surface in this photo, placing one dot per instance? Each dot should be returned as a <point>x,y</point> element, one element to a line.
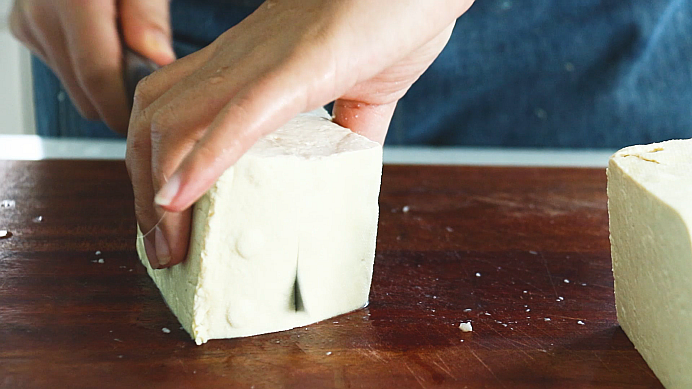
<point>650,207</point>
<point>285,238</point>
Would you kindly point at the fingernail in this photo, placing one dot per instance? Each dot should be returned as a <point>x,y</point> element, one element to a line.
<point>151,253</point>
<point>163,254</point>
<point>158,42</point>
<point>168,191</point>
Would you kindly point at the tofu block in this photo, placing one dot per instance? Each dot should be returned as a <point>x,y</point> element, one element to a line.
<point>650,207</point>
<point>285,238</point>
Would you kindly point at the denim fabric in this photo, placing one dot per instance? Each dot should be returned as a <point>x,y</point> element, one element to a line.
<point>530,73</point>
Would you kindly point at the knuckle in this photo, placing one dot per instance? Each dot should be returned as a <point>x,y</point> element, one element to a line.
<point>160,125</point>
<point>163,125</point>
<point>138,146</point>
<point>142,97</point>
<point>18,23</point>
<point>16,26</point>
<point>138,143</point>
<point>206,153</point>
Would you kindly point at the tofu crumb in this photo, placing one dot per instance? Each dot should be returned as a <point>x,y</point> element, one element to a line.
<point>581,323</point>
<point>478,274</point>
<point>7,204</point>
<point>566,281</point>
<point>328,353</point>
<point>165,330</point>
<point>405,209</point>
<point>533,252</point>
<point>101,260</point>
<point>547,319</point>
<point>465,327</point>
<point>560,298</point>
<point>97,252</point>
<point>467,310</point>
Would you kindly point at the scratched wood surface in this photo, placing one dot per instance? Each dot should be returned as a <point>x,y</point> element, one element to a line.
<point>521,253</point>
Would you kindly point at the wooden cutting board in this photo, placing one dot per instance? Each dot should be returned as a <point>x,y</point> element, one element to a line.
<point>521,253</point>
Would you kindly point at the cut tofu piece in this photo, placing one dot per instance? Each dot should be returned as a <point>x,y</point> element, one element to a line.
<point>285,238</point>
<point>650,207</point>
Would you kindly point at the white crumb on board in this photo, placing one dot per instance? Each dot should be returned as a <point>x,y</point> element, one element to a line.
<point>7,204</point>
<point>465,327</point>
<point>405,209</point>
<point>165,330</point>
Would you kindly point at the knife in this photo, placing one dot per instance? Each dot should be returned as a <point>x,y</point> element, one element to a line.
<point>135,68</point>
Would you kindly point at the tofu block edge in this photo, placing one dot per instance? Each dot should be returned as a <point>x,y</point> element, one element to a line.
<point>281,240</point>
<point>650,213</point>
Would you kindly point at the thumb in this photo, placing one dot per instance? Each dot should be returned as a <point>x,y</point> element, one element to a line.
<point>369,120</point>
<point>146,27</point>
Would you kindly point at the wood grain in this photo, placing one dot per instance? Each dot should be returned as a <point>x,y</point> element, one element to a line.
<point>522,253</point>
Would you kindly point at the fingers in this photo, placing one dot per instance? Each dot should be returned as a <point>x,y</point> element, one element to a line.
<point>138,162</point>
<point>256,110</point>
<point>147,29</point>
<point>167,241</point>
<point>369,120</point>
<point>94,48</point>
<point>35,27</point>
<point>21,30</point>
<point>187,136</point>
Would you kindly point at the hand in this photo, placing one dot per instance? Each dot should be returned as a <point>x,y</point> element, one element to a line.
<point>196,117</point>
<point>79,40</point>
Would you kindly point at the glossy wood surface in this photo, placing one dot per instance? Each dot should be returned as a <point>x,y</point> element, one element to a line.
<point>521,253</point>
